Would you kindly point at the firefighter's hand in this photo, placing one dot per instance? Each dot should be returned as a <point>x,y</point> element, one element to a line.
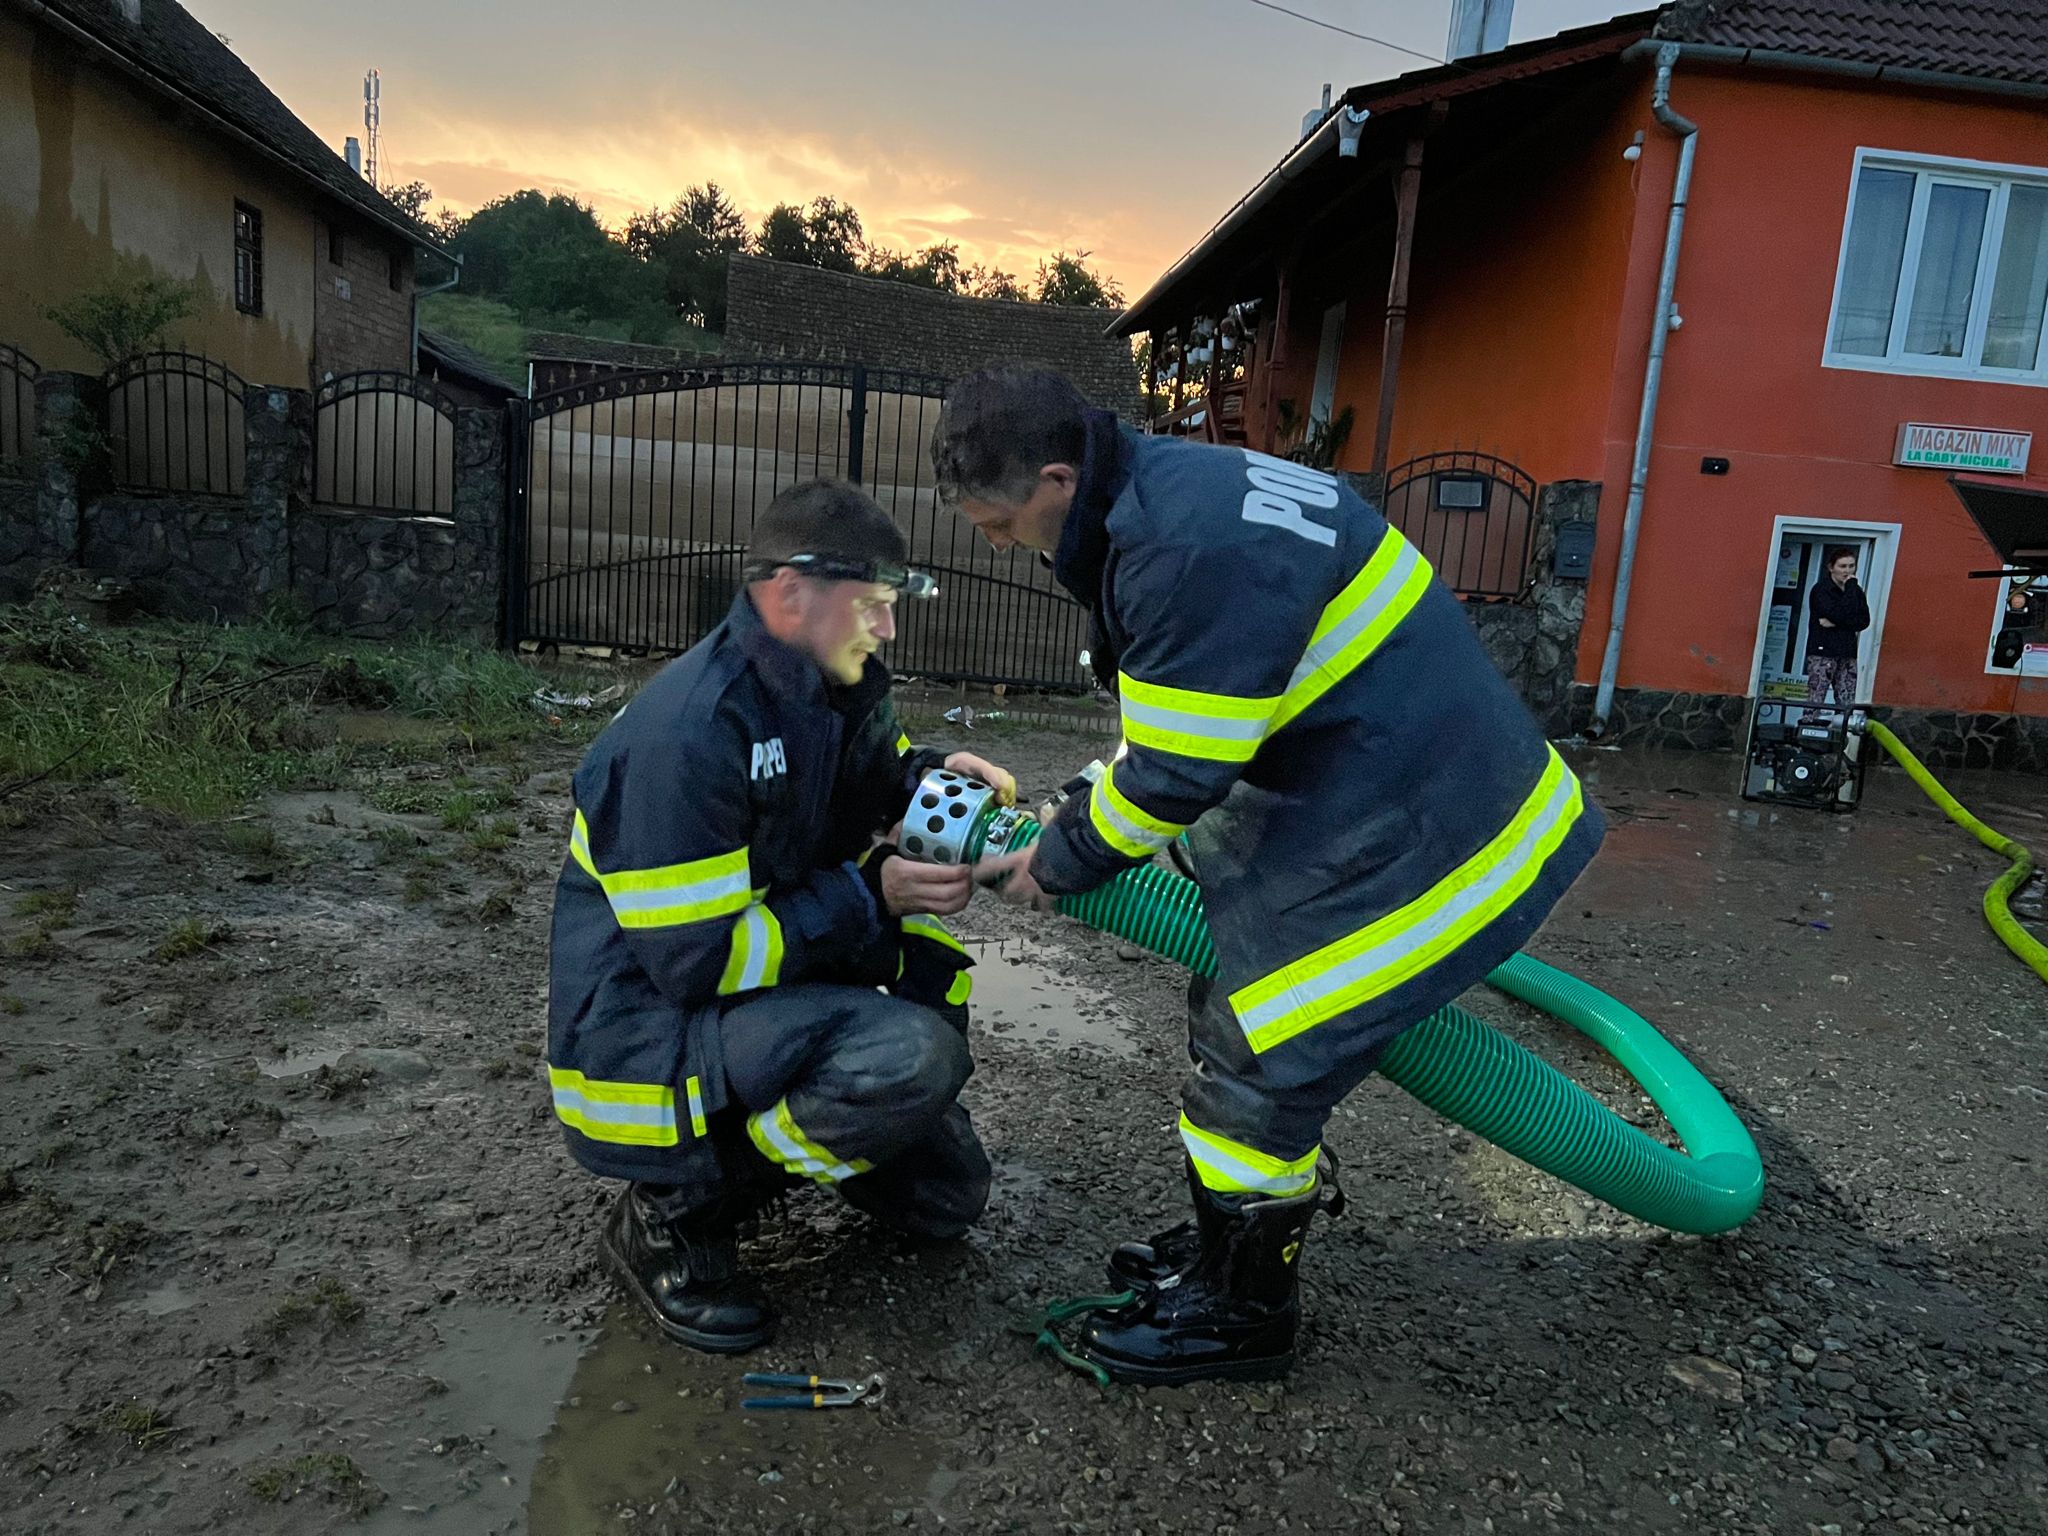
<point>910,888</point>
<point>1001,780</point>
<point>1009,876</point>
<point>1824,624</point>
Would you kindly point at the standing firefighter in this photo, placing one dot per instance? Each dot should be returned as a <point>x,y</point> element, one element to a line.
<point>723,921</point>
<point>1374,819</point>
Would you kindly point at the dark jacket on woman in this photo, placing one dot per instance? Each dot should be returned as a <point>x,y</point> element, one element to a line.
<point>1845,608</point>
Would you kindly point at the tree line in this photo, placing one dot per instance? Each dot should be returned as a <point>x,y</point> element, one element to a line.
<point>552,260</point>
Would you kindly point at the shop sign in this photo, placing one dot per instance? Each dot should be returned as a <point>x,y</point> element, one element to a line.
<point>1980,450</point>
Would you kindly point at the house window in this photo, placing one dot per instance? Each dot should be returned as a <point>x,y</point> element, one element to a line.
<point>2022,621</point>
<point>1944,270</point>
<point>334,244</point>
<point>248,259</point>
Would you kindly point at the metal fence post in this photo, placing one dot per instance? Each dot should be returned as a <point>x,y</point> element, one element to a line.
<point>857,423</point>
<point>513,544</point>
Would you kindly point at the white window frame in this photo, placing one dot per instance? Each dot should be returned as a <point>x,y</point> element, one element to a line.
<point>1999,179</point>
<point>1991,668</point>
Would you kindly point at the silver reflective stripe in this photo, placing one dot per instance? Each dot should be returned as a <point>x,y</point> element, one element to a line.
<point>695,893</point>
<point>1105,806</point>
<point>1187,723</point>
<point>1392,949</point>
<point>794,1156</point>
<point>756,921</point>
<point>1240,1175</point>
<point>571,1105</point>
<point>1371,605</point>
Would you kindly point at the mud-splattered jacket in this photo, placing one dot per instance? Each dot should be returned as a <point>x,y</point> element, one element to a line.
<point>717,827</point>
<point>1375,820</point>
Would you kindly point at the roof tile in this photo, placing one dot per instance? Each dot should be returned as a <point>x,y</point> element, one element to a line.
<point>1983,39</point>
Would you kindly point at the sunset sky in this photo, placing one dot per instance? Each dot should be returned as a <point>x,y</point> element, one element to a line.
<point>1120,127</point>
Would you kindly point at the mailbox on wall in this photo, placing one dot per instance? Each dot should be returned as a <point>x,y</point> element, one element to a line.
<point>1573,558</point>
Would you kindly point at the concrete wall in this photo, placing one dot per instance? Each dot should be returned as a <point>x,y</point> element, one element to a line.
<point>775,308</point>
<point>99,183</point>
<point>359,319</point>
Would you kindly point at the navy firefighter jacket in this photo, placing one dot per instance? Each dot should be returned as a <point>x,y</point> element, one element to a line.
<point>719,821</point>
<point>1375,820</point>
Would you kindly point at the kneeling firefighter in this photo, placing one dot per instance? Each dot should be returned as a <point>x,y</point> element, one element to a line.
<point>1373,818</point>
<point>724,920</point>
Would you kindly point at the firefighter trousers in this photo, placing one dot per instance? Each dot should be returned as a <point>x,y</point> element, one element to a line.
<point>858,1089</point>
<point>1244,1131</point>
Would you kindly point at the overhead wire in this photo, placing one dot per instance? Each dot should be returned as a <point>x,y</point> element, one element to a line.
<point>1363,37</point>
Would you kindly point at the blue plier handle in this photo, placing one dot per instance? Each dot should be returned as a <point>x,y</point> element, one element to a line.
<point>815,1391</point>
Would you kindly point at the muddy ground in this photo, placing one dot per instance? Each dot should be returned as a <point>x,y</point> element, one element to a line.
<point>288,1241</point>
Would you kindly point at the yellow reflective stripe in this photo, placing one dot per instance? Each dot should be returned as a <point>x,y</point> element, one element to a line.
<point>902,743</point>
<point>775,1134</point>
<point>926,927</point>
<point>1356,622</point>
<point>635,1114</point>
<point>755,957</point>
<point>962,988</point>
<point>1231,1167</point>
<point>695,1090</point>
<point>579,846</point>
<point>1219,727</point>
<point>1124,825</point>
<point>668,895</point>
<point>1408,941</point>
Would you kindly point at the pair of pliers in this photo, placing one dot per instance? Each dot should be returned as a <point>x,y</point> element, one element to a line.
<point>818,1391</point>
<point>1043,1331</point>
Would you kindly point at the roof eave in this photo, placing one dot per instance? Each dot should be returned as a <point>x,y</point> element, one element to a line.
<point>1381,98</point>
<point>1851,69</point>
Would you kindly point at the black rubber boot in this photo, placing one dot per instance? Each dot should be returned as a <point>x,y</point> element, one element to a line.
<point>1137,1266</point>
<point>1230,1314</point>
<point>685,1272</point>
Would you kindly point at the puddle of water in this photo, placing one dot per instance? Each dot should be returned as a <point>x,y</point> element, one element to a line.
<point>1020,996</point>
<point>162,1301</point>
<point>301,1063</point>
<point>330,1127</point>
<point>646,1422</point>
<point>465,1463</point>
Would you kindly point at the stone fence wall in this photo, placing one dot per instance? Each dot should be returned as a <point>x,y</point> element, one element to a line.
<point>188,555</point>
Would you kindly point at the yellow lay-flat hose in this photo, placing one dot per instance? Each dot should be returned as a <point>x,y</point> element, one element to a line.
<point>2003,923</point>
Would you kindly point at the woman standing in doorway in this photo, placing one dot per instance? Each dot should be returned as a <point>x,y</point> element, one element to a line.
<point>1839,614</point>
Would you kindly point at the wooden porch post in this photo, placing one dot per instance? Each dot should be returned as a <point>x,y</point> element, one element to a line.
<point>1397,303</point>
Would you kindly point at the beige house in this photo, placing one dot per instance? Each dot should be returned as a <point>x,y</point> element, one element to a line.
<point>133,141</point>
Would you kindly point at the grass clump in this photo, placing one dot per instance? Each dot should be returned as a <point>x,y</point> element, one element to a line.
<point>495,837</point>
<point>134,1421</point>
<point>256,841</point>
<point>326,1303</point>
<point>37,943</point>
<point>192,936</point>
<point>59,903</point>
<point>330,1473</point>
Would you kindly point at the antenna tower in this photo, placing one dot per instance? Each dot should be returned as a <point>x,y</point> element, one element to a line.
<point>373,91</point>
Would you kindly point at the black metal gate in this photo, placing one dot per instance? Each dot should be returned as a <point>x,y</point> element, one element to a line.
<point>633,495</point>
<point>1472,515</point>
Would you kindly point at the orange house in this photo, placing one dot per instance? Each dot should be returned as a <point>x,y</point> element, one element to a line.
<point>1850,203</point>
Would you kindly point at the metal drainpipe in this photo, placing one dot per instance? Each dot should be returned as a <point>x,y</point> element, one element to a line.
<point>1653,378</point>
<point>418,293</point>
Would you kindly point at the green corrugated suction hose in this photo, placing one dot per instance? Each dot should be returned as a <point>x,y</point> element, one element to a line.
<point>1996,911</point>
<point>1469,1072</point>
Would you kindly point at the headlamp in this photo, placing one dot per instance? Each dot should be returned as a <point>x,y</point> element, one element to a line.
<point>903,578</point>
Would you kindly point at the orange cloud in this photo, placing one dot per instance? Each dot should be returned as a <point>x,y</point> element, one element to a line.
<point>620,168</point>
